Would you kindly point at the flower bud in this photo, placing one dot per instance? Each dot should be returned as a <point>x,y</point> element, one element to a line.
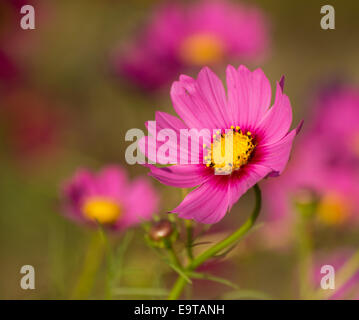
<point>162,234</point>
<point>306,200</point>
<point>161,230</point>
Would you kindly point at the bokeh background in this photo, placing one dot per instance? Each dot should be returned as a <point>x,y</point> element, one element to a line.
<point>63,107</point>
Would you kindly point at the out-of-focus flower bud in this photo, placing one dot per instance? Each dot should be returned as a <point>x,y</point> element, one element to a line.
<point>306,201</point>
<point>162,233</point>
<point>160,230</point>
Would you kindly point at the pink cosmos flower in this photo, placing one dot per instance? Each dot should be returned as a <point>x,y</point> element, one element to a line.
<point>194,35</point>
<point>325,167</point>
<point>109,198</point>
<point>261,139</point>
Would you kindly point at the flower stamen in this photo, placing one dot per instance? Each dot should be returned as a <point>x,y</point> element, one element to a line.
<point>201,49</point>
<point>229,151</point>
<point>102,210</point>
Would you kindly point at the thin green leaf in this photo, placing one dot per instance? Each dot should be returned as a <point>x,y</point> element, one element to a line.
<point>201,243</point>
<point>205,228</point>
<point>174,267</point>
<point>204,276</point>
<point>180,272</point>
<point>119,255</point>
<point>226,252</point>
<point>222,255</point>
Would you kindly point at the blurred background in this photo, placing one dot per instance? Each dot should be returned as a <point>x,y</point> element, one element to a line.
<point>65,105</point>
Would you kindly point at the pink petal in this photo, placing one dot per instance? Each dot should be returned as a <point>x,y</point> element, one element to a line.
<point>81,185</point>
<point>199,102</point>
<point>181,176</point>
<point>211,89</point>
<point>277,121</point>
<point>145,145</point>
<point>281,82</point>
<point>275,156</point>
<point>149,147</point>
<point>249,176</point>
<point>76,190</point>
<point>206,204</point>
<point>141,204</point>
<point>164,122</point>
<point>210,202</point>
<point>249,95</point>
<point>167,121</point>
<point>111,181</point>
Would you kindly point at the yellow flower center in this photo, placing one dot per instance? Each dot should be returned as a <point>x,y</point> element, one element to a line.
<point>229,151</point>
<point>201,49</point>
<point>332,209</point>
<point>102,210</point>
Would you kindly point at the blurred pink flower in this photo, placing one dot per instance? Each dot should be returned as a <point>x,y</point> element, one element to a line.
<point>349,290</point>
<point>109,198</point>
<point>8,70</point>
<point>325,165</point>
<point>337,116</point>
<point>261,139</point>
<point>33,125</point>
<point>179,36</point>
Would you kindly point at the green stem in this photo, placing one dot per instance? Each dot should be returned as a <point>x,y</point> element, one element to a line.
<point>115,263</point>
<point>91,264</point>
<point>305,247</point>
<point>212,251</point>
<point>189,230</point>
<point>172,255</point>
